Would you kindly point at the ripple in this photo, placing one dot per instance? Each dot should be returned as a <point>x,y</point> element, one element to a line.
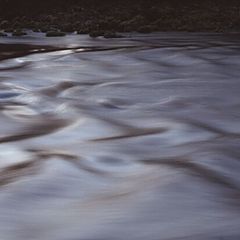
<point>136,138</point>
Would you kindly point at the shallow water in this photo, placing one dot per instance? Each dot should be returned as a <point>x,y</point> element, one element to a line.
<point>124,139</point>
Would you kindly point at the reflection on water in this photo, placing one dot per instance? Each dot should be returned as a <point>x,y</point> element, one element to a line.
<point>124,139</point>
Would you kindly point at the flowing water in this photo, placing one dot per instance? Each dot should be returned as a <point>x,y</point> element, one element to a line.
<point>127,139</point>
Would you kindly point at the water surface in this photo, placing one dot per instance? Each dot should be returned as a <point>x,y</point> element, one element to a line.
<point>125,139</point>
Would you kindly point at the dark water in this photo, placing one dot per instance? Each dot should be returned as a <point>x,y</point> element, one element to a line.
<point>126,139</point>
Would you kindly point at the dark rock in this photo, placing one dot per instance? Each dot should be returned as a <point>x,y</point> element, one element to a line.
<point>55,34</point>
<point>2,34</point>
<point>83,31</point>
<point>95,34</point>
<point>18,33</point>
<point>111,35</point>
<point>8,30</point>
<point>36,30</point>
<point>91,16</point>
<point>44,29</point>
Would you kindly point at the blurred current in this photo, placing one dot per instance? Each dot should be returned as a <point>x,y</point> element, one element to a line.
<point>126,139</point>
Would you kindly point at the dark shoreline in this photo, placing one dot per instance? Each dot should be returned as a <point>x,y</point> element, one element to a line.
<point>56,17</point>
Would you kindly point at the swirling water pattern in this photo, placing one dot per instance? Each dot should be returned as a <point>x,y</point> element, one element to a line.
<point>124,139</point>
